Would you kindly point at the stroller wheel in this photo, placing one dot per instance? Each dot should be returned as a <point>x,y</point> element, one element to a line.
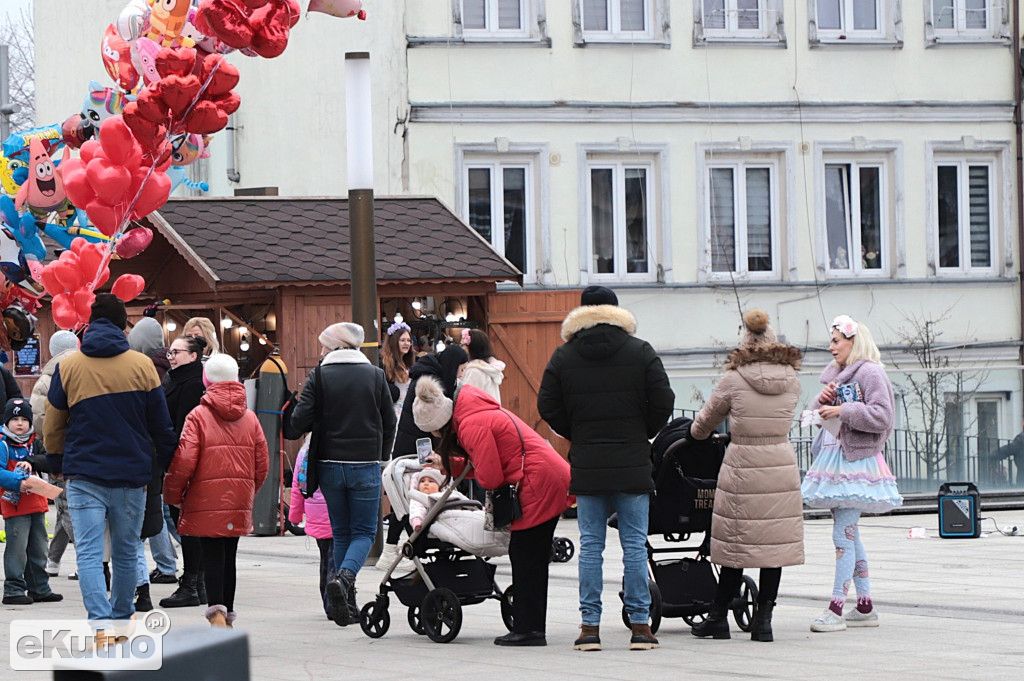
<point>562,550</point>
<point>693,620</point>
<point>374,619</point>
<point>441,615</point>
<point>415,623</point>
<point>743,606</point>
<point>506,606</point>
<point>655,611</point>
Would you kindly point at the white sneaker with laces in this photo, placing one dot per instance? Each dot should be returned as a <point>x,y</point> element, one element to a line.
<point>828,621</point>
<point>52,569</point>
<point>856,618</point>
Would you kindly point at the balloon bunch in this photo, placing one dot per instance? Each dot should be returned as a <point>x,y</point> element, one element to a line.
<point>72,278</point>
<point>259,26</point>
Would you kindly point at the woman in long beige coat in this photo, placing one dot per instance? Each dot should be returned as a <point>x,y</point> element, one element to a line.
<point>758,512</point>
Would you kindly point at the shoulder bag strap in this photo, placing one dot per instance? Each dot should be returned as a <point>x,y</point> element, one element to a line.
<point>522,444</point>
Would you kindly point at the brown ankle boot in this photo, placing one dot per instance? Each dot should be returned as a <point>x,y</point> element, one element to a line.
<point>590,638</point>
<point>642,638</point>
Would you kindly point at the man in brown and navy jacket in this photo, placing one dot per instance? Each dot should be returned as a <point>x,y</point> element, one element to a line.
<point>105,415</point>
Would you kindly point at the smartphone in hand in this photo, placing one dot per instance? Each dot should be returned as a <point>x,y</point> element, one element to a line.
<point>423,449</point>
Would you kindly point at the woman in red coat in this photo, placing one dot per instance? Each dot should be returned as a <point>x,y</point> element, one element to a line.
<point>220,464</point>
<point>504,451</point>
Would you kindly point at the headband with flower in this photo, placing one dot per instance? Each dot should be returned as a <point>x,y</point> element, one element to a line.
<point>845,325</point>
<point>398,326</point>
<point>466,338</point>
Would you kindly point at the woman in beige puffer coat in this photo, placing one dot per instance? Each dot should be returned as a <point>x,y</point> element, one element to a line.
<point>758,511</point>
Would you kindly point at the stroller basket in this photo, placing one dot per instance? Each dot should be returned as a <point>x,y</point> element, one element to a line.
<point>471,580</point>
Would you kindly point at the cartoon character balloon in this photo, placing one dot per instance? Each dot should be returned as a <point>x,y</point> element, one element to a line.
<point>43,191</point>
<point>339,8</point>
<point>8,168</point>
<point>167,20</point>
<point>117,58</point>
<point>101,103</point>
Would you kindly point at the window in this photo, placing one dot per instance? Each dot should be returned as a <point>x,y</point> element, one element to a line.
<point>965,210</point>
<point>741,215</point>
<point>493,18</point>
<point>499,205</point>
<point>620,21</point>
<point>855,21</point>
<point>737,21</point>
<point>952,21</point>
<point>856,213</point>
<point>621,221</point>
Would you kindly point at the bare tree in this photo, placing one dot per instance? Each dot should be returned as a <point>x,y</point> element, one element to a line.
<point>16,31</point>
<point>937,392</point>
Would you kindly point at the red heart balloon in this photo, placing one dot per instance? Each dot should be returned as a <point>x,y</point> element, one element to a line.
<point>62,309</point>
<point>255,4</point>
<point>118,142</point>
<point>155,193</point>
<point>133,242</point>
<point>88,150</point>
<point>224,79</point>
<point>104,275</point>
<point>178,92</point>
<point>50,281</point>
<point>150,104</point>
<point>175,61</point>
<point>103,216</point>
<point>77,244</point>
<point>77,188</point>
<point>146,132</point>
<point>294,10</point>
<point>84,298</point>
<point>228,103</point>
<point>270,25</point>
<point>110,182</point>
<point>228,22</point>
<point>91,257</point>
<point>205,119</point>
<point>128,287</point>
<point>68,274</point>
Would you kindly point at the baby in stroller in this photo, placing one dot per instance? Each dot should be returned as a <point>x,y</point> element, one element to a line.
<point>424,491</point>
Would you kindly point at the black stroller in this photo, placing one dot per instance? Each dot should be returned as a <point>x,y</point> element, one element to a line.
<point>685,477</point>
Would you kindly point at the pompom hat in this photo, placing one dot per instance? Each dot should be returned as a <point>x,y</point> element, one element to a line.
<point>757,330</point>
<point>431,410</point>
<point>342,335</point>
<point>220,368</point>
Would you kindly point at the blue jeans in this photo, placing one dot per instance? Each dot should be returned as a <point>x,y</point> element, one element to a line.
<point>25,556</point>
<point>142,577</point>
<point>352,493</point>
<point>592,516</point>
<point>172,528</point>
<point>94,508</point>
<point>163,552</point>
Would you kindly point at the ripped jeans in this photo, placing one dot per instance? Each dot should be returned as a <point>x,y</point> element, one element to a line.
<point>851,559</point>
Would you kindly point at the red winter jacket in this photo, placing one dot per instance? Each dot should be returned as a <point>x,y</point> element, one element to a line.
<point>220,464</point>
<point>487,433</point>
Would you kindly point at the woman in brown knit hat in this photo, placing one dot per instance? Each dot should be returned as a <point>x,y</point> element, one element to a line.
<point>758,512</point>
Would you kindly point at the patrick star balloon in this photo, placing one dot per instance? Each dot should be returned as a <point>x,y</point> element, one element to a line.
<point>43,191</point>
<point>339,8</point>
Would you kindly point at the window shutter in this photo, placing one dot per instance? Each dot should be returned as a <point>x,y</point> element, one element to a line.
<point>759,220</point>
<point>595,15</point>
<point>508,14</point>
<point>981,251</point>
<point>474,14</point>
<point>723,221</point>
<point>631,15</point>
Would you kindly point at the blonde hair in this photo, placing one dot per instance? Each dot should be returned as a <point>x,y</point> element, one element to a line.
<point>209,333</point>
<point>863,346</point>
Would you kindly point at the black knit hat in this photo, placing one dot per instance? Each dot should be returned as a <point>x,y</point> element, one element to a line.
<point>17,406</point>
<point>598,295</point>
<point>109,307</point>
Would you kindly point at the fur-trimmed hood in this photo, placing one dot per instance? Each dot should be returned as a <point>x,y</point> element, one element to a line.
<point>589,316</point>
<point>767,369</point>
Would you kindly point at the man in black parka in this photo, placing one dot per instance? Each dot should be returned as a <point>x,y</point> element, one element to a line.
<point>607,392</point>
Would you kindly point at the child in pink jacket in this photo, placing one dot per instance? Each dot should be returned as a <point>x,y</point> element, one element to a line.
<point>318,525</point>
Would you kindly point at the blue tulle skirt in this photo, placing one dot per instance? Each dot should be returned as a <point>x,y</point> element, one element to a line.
<point>833,482</point>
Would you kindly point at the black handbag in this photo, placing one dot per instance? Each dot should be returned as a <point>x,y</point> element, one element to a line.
<point>502,503</point>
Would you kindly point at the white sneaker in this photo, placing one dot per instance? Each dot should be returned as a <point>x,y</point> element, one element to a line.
<point>828,621</point>
<point>856,618</point>
<point>387,557</point>
<point>52,569</point>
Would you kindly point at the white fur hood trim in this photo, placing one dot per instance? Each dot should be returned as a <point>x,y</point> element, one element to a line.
<point>591,315</point>
<point>345,356</point>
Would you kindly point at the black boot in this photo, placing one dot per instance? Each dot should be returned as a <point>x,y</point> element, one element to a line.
<point>184,596</point>
<point>201,589</point>
<point>716,625</point>
<point>341,595</point>
<point>762,629</point>
<point>143,603</point>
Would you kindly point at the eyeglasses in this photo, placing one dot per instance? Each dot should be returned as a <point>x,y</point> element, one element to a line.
<point>172,353</point>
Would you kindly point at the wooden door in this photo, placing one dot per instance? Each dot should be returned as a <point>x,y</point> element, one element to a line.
<point>525,328</point>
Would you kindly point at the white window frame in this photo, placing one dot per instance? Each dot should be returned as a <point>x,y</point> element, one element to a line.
<point>531,18</point>
<point>740,237</point>
<point>654,159</point>
<point>771,29</point>
<point>537,267</point>
<point>744,153</point>
<point>888,155</point>
<point>963,166</point>
<point>971,151</point>
<point>656,31</point>
<point>889,31</point>
<point>997,29</point>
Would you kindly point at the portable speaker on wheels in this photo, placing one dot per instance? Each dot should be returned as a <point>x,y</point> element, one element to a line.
<point>959,511</point>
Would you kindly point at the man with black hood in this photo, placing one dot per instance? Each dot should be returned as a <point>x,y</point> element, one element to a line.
<point>607,392</point>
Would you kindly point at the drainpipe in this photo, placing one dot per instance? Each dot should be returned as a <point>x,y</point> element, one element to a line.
<point>234,176</point>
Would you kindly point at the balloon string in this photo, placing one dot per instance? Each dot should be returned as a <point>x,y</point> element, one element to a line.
<point>109,251</point>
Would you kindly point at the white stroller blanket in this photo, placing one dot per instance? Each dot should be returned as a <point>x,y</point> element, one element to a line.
<point>463,527</point>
